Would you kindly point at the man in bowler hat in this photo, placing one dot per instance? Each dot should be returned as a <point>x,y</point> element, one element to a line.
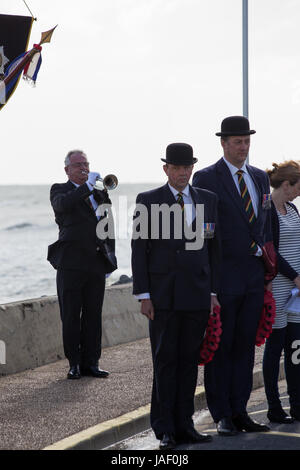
<point>174,285</point>
<point>244,225</point>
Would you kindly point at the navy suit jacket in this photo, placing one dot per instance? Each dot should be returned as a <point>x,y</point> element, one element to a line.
<point>176,278</point>
<point>237,234</point>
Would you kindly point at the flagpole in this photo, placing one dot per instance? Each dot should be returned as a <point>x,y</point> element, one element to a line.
<point>27,58</point>
<point>245,64</point>
<point>46,37</point>
<point>35,19</point>
<point>245,60</point>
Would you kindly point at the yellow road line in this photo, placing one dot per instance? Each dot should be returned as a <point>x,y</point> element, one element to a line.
<point>282,433</point>
<point>275,433</point>
<point>113,424</point>
<point>92,432</point>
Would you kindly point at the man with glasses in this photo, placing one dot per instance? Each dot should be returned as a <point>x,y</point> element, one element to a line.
<point>80,264</point>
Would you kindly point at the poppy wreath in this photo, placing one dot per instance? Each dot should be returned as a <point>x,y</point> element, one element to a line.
<point>267,319</point>
<point>212,337</point>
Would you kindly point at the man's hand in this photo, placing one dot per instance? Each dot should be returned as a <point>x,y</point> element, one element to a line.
<point>101,196</point>
<point>92,178</point>
<point>213,303</point>
<point>269,286</point>
<point>147,308</point>
<point>297,282</point>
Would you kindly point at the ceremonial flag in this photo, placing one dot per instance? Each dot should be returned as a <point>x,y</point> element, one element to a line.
<point>14,38</point>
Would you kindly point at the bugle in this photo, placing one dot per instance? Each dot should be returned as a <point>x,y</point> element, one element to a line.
<point>109,182</point>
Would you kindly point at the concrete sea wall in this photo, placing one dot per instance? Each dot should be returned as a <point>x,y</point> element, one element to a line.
<point>31,336</point>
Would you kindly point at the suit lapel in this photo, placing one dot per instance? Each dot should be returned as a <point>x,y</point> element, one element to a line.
<point>194,195</point>
<point>86,203</point>
<point>197,200</point>
<point>260,192</point>
<point>258,187</point>
<point>70,185</point>
<point>168,197</point>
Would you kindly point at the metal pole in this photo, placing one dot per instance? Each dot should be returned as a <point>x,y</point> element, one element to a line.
<point>245,59</point>
<point>245,64</point>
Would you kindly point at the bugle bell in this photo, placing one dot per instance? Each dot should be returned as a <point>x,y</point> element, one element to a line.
<point>109,182</point>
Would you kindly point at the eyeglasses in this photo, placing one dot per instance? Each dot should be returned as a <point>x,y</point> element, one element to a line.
<point>79,164</point>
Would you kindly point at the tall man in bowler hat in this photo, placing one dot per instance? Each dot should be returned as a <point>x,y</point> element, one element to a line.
<point>244,224</point>
<point>174,285</point>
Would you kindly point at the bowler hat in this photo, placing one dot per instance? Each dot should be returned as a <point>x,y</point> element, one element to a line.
<point>235,125</point>
<point>179,154</point>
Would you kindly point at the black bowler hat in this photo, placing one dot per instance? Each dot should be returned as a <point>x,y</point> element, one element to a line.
<point>235,125</point>
<point>179,154</point>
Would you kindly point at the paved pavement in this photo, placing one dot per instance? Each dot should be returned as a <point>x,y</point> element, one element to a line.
<point>41,409</point>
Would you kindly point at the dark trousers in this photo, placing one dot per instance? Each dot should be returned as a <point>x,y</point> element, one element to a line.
<point>288,340</point>
<point>228,377</point>
<point>80,296</point>
<point>176,338</point>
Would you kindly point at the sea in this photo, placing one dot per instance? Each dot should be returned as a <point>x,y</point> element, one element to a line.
<point>27,227</point>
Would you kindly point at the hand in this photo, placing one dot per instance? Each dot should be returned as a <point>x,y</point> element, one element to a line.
<point>297,282</point>
<point>101,196</point>
<point>213,303</point>
<point>269,286</point>
<point>93,176</point>
<point>147,308</point>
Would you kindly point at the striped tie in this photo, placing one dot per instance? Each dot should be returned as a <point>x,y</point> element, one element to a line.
<point>180,200</point>
<point>247,204</point>
<point>89,203</point>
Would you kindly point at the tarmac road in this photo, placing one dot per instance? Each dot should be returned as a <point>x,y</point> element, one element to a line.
<point>280,437</point>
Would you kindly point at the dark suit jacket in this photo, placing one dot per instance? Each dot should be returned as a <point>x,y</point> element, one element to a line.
<point>238,266</point>
<point>176,278</point>
<point>78,246</point>
<point>283,266</point>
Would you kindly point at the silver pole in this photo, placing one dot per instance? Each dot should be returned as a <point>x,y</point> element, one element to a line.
<point>245,59</point>
<point>245,64</point>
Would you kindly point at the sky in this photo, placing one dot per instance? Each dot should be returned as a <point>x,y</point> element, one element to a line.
<point>121,79</point>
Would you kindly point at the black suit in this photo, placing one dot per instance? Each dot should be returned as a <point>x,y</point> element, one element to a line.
<point>81,269</point>
<point>179,282</point>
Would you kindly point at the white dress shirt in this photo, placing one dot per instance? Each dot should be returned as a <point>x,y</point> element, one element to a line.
<point>189,206</point>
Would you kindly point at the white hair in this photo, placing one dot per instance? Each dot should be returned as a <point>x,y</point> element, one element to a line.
<point>69,155</point>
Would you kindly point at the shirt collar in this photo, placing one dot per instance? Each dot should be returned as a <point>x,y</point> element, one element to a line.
<point>233,169</point>
<point>186,190</point>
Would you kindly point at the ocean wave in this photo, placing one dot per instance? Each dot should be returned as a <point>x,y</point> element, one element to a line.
<point>20,226</point>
